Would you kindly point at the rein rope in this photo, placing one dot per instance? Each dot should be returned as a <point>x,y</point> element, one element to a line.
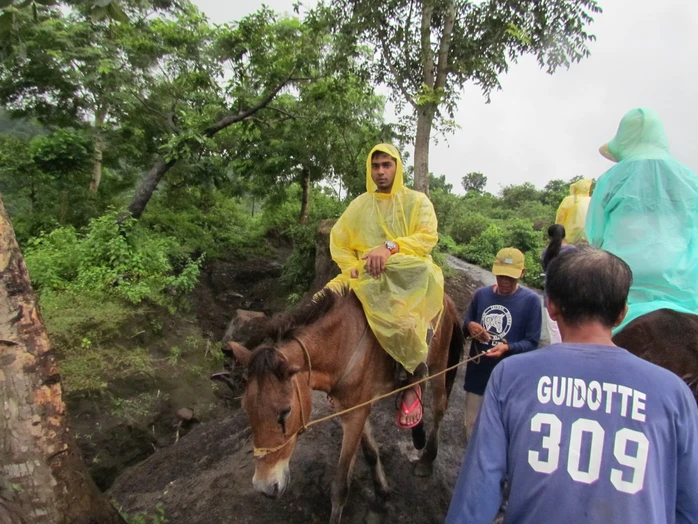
<point>263,452</point>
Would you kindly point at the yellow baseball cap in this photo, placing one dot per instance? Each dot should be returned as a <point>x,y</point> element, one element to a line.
<point>509,262</point>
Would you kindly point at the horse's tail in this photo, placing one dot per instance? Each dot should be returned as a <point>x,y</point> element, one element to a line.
<point>455,351</point>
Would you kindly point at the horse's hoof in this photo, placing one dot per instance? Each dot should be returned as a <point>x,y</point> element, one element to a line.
<point>423,469</point>
<point>383,492</point>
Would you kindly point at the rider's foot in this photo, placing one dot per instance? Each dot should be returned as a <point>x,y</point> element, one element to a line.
<point>410,409</point>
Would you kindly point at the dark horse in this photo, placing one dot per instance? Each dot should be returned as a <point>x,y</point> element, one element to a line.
<point>328,346</point>
<point>666,338</point>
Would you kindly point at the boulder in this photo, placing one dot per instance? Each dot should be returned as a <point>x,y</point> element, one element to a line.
<point>246,328</point>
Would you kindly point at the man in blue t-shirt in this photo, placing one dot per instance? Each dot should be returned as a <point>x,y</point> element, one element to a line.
<point>584,431</point>
<point>503,320</point>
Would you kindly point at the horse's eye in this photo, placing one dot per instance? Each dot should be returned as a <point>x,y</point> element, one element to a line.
<point>283,416</point>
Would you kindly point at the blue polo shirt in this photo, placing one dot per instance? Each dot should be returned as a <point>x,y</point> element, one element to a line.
<point>515,318</point>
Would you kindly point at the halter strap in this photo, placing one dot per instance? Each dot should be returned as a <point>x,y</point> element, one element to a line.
<point>306,355</point>
<point>263,452</point>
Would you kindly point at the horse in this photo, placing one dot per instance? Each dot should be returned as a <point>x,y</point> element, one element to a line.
<point>667,338</point>
<point>328,345</point>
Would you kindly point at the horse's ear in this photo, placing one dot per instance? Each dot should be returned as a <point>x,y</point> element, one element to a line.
<point>241,353</point>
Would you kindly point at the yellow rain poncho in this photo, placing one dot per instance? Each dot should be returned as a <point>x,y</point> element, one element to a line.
<point>572,212</point>
<point>409,294</point>
<point>645,211</point>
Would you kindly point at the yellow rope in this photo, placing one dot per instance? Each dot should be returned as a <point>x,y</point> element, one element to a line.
<point>263,452</point>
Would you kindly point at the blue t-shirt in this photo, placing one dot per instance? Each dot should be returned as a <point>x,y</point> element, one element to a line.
<point>586,434</point>
<point>515,318</point>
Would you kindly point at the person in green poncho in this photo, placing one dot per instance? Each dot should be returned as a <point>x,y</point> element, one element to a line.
<point>645,210</point>
<point>382,244</point>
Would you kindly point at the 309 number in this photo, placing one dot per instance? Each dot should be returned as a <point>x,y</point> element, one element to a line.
<point>591,471</point>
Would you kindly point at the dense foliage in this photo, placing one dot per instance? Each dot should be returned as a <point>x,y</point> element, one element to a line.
<point>223,141</point>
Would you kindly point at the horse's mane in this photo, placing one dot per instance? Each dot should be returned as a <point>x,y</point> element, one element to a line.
<point>285,326</point>
<point>266,358</point>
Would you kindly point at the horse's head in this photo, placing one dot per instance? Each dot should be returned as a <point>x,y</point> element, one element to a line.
<point>277,405</point>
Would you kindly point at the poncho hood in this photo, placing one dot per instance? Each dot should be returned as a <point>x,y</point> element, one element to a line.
<point>581,188</point>
<point>640,135</point>
<point>393,152</point>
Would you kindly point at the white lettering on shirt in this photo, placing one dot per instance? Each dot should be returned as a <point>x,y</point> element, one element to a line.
<point>577,393</point>
<point>544,394</point>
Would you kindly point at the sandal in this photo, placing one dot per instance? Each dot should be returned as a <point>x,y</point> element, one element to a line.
<point>407,410</point>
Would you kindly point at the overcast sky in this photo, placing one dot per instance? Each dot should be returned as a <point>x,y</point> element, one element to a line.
<point>540,127</point>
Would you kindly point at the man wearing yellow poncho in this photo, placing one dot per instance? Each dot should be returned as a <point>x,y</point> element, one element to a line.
<point>572,212</point>
<point>382,244</point>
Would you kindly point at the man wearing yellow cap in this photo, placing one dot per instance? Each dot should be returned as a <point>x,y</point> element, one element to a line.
<point>503,320</point>
<point>382,244</point>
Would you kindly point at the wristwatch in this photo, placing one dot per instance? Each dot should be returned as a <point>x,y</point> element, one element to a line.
<point>392,246</point>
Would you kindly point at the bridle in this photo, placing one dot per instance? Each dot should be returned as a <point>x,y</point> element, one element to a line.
<point>263,452</point>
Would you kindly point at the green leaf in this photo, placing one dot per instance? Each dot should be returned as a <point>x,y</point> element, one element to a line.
<point>46,2</point>
<point>6,20</point>
<point>98,13</point>
<point>116,13</point>
<point>5,3</point>
<point>102,3</point>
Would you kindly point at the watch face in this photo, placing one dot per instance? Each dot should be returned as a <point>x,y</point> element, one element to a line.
<point>390,244</point>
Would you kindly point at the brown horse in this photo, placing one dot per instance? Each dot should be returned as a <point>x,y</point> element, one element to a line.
<point>666,338</point>
<point>328,346</point>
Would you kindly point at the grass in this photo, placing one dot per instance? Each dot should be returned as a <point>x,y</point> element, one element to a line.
<point>134,408</point>
<point>95,337</point>
<point>87,368</point>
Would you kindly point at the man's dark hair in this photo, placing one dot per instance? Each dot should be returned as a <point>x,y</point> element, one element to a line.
<point>379,152</point>
<point>588,284</point>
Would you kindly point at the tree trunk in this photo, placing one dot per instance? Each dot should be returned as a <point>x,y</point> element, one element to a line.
<point>434,78</point>
<point>425,118</point>
<point>145,191</point>
<point>98,146</point>
<point>39,459</point>
<point>305,199</point>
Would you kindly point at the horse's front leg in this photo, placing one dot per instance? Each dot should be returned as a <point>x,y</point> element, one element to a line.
<point>425,465</point>
<point>370,449</point>
<point>353,427</point>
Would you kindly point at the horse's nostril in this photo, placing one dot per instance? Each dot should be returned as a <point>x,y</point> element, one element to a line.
<point>274,490</point>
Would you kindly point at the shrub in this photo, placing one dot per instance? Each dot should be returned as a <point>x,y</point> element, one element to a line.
<point>125,261</point>
<point>521,235</point>
<point>533,271</point>
<point>208,223</point>
<point>467,226</point>
<point>299,269</point>
<point>484,247</point>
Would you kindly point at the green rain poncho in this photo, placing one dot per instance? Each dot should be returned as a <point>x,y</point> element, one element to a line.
<point>401,304</point>
<point>645,210</point>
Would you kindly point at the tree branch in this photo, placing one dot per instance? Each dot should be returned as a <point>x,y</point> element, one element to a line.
<point>229,120</point>
<point>289,115</point>
<point>427,53</point>
<point>399,81</point>
<point>445,46</point>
